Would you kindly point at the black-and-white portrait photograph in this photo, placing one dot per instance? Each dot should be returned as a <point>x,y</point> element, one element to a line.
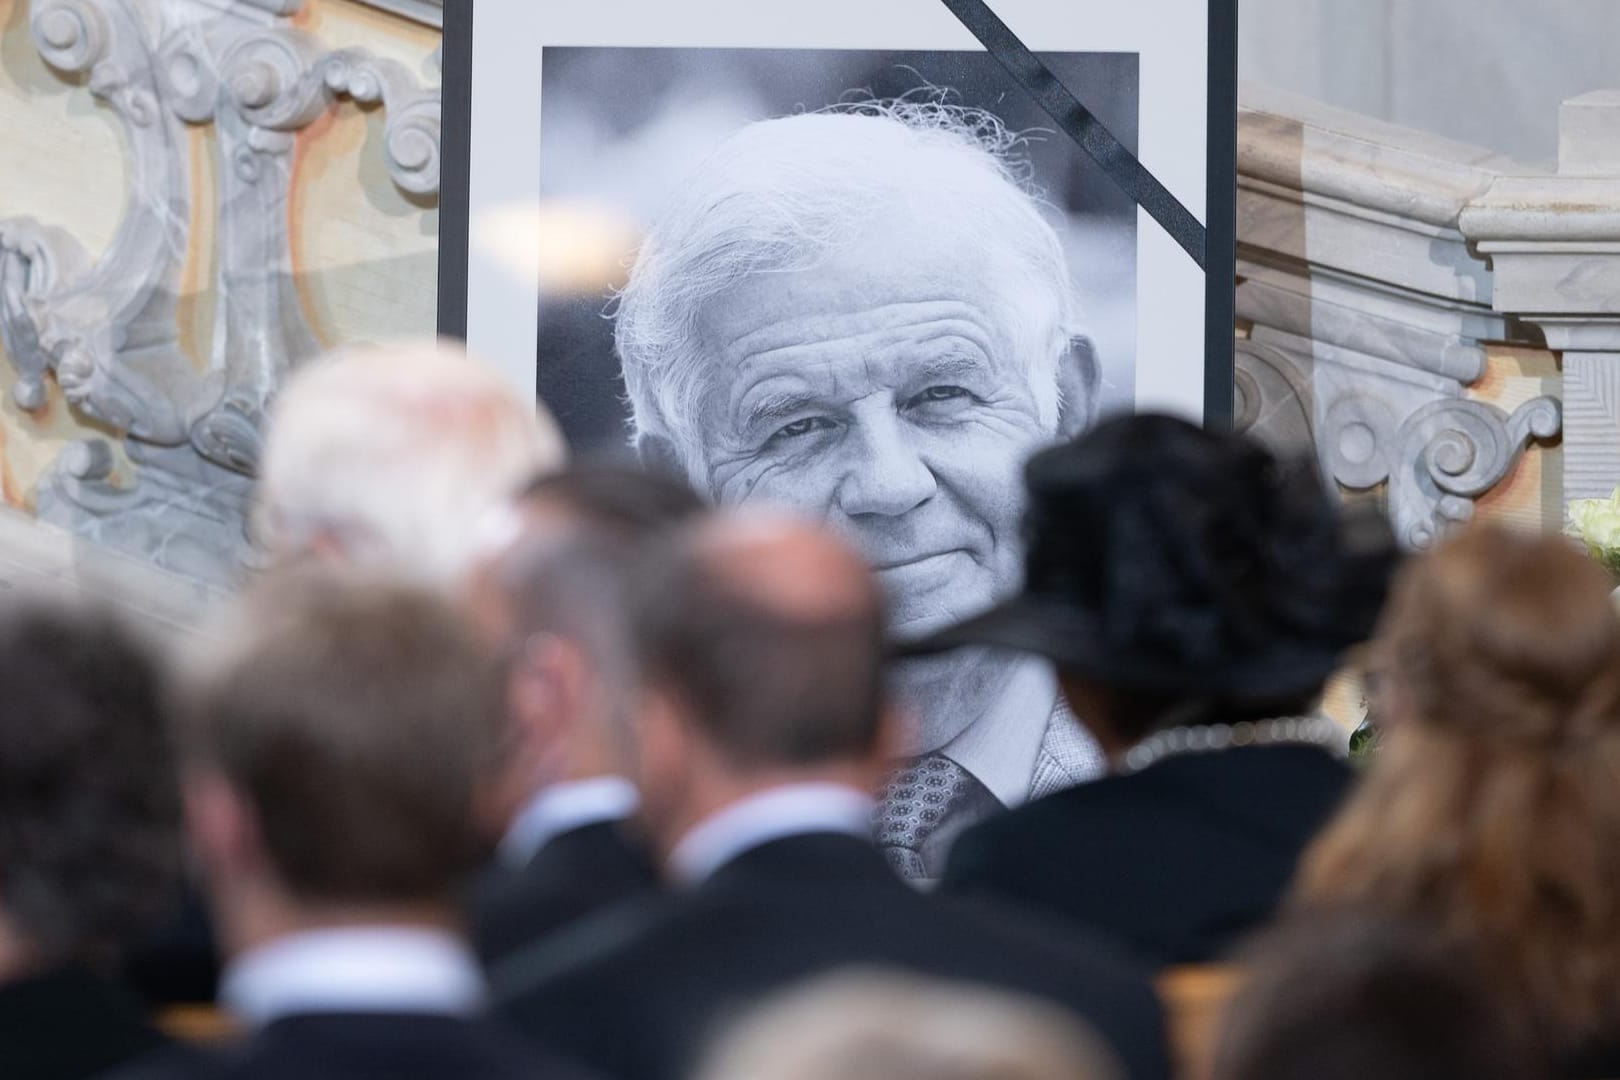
<point>837,260</point>
<point>869,284</point>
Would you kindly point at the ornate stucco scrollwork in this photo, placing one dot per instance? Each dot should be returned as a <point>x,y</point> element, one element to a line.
<point>71,34</point>
<point>108,331</point>
<point>272,79</point>
<point>34,260</point>
<point>411,136</point>
<point>1449,453</point>
<point>187,74</point>
<point>106,328</point>
<point>1437,458</point>
<point>270,85</point>
<point>1272,398</point>
<point>1435,450</point>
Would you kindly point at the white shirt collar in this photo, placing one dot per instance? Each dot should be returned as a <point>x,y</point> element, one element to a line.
<point>788,810</point>
<point>355,969</point>
<point>1000,748</point>
<point>563,807</point>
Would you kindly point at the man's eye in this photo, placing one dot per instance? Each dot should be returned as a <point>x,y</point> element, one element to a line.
<point>941,393</point>
<point>800,428</point>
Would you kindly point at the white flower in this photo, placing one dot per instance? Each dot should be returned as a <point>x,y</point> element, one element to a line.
<point>1596,523</point>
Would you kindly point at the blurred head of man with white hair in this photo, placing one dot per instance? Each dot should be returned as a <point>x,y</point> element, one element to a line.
<point>396,458</point>
<point>864,314</point>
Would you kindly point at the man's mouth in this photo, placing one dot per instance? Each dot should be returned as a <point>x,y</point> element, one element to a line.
<point>909,561</point>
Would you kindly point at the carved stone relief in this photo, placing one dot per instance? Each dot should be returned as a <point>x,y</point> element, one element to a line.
<point>1373,426</point>
<point>1366,311</point>
<point>106,330</point>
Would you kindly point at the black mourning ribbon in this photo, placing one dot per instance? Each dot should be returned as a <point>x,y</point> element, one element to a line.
<point>1078,123</point>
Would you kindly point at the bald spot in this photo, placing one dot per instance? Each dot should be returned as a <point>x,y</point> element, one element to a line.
<point>788,569</point>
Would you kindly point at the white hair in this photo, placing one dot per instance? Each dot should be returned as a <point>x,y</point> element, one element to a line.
<point>877,1025</point>
<point>397,456</point>
<point>779,194</point>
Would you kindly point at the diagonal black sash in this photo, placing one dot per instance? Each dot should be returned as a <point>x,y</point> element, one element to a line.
<point>1079,124</point>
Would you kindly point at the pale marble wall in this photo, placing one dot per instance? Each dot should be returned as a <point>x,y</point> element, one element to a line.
<point>1489,72</point>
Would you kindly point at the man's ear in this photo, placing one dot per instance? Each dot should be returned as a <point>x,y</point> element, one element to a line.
<point>220,826</point>
<point>546,697</point>
<point>664,744</point>
<point>660,731</point>
<point>1078,377</point>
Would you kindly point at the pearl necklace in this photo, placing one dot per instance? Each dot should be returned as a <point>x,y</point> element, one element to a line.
<point>1205,739</point>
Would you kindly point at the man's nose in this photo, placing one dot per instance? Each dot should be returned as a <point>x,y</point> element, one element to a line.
<point>885,473</point>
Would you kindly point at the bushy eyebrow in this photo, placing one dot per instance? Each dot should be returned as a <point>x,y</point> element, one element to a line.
<point>952,365</point>
<point>779,407</point>
<point>776,408</point>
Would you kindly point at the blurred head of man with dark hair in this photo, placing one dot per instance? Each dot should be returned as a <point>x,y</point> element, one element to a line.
<point>337,741</point>
<point>1349,998</point>
<point>89,844</point>
<point>762,732</point>
<point>762,645</point>
<point>332,754</point>
<point>551,599</point>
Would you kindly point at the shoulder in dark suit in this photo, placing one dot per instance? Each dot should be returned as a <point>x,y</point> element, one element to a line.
<point>67,1024</point>
<point>360,1046</point>
<point>638,992</point>
<point>1181,860</point>
<point>573,875</point>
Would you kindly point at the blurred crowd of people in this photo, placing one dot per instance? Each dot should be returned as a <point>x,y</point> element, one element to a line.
<point>503,766</point>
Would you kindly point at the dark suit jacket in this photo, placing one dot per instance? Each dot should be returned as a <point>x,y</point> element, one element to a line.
<point>360,1046</point>
<point>637,992</point>
<point>178,963</point>
<point>574,874</point>
<point>1181,859</point>
<point>1594,1061</point>
<point>68,1024</point>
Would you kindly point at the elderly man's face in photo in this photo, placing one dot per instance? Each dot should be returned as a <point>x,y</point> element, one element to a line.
<point>883,390</point>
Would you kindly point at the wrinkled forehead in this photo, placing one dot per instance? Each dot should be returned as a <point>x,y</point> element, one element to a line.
<point>914,271</point>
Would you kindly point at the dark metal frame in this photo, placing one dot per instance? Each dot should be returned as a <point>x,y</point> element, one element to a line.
<point>1220,216</point>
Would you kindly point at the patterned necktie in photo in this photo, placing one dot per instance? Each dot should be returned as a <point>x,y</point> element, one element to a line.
<point>923,806</point>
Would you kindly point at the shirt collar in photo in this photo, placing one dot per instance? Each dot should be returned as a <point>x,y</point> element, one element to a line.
<point>1000,749</point>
